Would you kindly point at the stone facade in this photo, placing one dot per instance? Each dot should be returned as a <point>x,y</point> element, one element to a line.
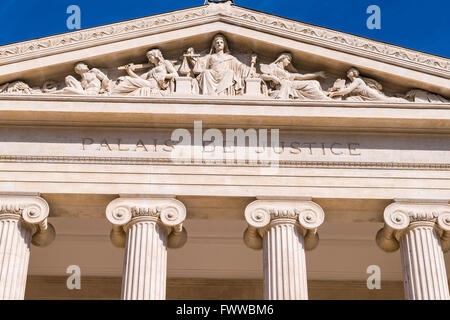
<point>203,151</point>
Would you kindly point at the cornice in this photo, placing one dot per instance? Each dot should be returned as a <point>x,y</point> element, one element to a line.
<point>231,14</point>
<point>229,100</point>
<point>182,111</point>
<point>347,42</point>
<point>98,35</point>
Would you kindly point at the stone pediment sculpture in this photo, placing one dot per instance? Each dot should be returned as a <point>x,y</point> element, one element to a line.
<point>223,70</point>
<point>157,81</point>
<point>284,81</point>
<point>360,89</point>
<point>219,72</point>
<point>92,82</point>
<point>17,87</point>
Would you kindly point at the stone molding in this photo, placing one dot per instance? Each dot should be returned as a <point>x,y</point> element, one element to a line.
<point>33,211</point>
<point>203,162</point>
<point>214,101</point>
<point>228,13</point>
<point>345,42</point>
<point>170,213</point>
<point>401,216</point>
<point>263,214</point>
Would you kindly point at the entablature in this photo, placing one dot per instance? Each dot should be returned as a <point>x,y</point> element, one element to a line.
<point>224,113</point>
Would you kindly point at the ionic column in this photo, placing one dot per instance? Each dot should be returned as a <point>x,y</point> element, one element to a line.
<point>146,227</point>
<point>23,220</point>
<point>284,229</point>
<point>422,232</point>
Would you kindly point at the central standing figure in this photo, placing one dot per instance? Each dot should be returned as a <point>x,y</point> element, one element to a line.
<point>219,72</point>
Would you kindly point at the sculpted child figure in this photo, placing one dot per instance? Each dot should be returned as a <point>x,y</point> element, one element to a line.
<point>219,72</point>
<point>93,81</point>
<point>157,81</point>
<point>287,83</point>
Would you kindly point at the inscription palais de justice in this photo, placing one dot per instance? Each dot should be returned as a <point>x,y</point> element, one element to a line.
<point>312,148</point>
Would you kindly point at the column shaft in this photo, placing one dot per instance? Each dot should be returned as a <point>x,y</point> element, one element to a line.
<point>15,238</point>
<point>284,263</point>
<point>424,274</point>
<point>277,227</point>
<point>145,261</point>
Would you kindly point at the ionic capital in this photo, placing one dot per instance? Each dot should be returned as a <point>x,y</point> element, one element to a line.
<point>33,211</point>
<point>167,212</point>
<point>262,214</point>
<point>402,215</point>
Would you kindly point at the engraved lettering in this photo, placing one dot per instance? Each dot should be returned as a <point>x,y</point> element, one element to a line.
<point>352,149</point>
<point>215,145</point>
<point>310,144</point>
<point>86,142</point>
<point>295,146</point>
<point>119,141</point>
<point>140,144</point>
<point>169,146</point>
<point>333,146</point>
<point>104,144</point>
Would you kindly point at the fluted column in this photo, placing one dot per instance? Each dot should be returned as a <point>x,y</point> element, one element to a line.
<point>421,231</point>
<point>146,227</point>
<point>284,230</point>
<point>23,220</point>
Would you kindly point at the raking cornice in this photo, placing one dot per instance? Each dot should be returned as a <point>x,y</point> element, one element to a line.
<point>231,14</point>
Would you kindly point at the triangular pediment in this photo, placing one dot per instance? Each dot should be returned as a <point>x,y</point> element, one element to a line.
<point>44,64</point>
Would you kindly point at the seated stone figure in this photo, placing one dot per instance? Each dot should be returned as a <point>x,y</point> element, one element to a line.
<point>157,81</point>
<point>284,82</point>
<point>221,74</point>
<point>93,82</point>
<point>362,89</point>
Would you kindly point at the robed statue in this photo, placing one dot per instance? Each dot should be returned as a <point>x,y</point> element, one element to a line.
<point>219,73</point>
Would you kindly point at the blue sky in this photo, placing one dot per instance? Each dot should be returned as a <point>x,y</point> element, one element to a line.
<point>422,25</point>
